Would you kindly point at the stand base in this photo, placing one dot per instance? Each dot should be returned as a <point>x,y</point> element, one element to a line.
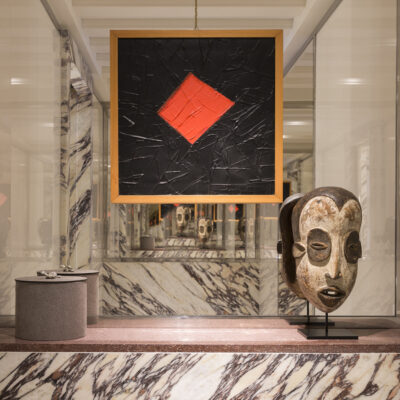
<point>310,323</point>
<point>319,333</point>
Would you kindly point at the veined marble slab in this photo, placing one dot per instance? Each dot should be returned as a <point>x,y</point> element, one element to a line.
<point>178,252</point>
<point>288,302</point>
<point>76,157</point>
<point>199,376</point>
<point>180,288</point>
<point>268,287</point>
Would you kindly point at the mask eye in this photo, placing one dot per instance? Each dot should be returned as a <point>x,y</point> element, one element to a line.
<point>318,246</point>
<point>352,250</point>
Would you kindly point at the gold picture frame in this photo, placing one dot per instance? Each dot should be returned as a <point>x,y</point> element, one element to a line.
<point>276,197</point>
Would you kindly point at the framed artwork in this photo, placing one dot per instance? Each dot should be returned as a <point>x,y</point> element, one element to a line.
<point>196,116</point>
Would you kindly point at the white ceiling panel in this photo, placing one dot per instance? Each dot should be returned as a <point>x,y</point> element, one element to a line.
<point>89,22</point>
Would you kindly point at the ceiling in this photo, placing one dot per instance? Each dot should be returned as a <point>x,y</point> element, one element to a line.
<point>298,110</point>
<point>89,22</point>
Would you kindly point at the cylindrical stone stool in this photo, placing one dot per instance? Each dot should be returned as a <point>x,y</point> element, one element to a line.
<point>92,289</point>
<point>50,309</point>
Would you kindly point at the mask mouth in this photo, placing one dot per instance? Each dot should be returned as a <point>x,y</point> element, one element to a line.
<point>331,295</point>
<point>331,292</point>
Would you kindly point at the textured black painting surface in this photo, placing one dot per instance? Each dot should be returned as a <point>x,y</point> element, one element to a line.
<point>234,156</point>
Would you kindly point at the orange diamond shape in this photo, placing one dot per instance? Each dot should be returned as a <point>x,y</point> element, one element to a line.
<point>193,108</point>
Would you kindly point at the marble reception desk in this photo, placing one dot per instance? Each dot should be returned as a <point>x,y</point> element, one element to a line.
<point>203,358</point>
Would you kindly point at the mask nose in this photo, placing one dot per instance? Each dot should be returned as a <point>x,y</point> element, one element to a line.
<point>334,266</point>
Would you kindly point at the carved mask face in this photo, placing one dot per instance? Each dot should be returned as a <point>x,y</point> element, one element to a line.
<point>182,217</point>
<point>204,229</point>
<point>328,251</point>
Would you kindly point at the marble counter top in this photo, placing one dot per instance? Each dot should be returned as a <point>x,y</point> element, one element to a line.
<point>270,335</point>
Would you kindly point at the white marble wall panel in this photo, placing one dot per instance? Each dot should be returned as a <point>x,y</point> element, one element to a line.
<point>123,229</point>
<point>178,278</point>
<point>250,234</point>
<point>268,286</point>
<point>76,158</point>
<point>288,303</point>
<point>180,288</point>
<point>113,229</point>
<point>199,376</point>
<point>80,180</point>
<point>355,133</point>
<point>99,187</point>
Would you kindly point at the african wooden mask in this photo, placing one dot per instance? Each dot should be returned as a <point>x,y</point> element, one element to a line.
<point>321,245</point>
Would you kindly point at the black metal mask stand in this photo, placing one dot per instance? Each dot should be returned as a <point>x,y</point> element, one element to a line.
<point>324,333</point>
<point>307,321</point>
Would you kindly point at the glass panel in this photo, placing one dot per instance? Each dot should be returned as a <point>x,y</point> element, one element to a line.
<point>211,259</point>
<point>191,259</point>
<point>29,144</point>
<point>98,185</point>
<point>355,136</point>
<point>298,157</point>
<point>215,259</point>
<point>298,129</point>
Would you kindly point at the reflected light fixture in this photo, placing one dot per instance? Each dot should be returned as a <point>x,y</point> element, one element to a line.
<point>352,81</point>
<point>295,123</point>
<point>17,81</point>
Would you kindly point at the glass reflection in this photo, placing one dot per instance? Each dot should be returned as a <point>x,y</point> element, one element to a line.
<point>194,230</point>
<point>298,144</point>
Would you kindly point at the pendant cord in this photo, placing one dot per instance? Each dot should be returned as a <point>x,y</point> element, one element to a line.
<point>195,15</point>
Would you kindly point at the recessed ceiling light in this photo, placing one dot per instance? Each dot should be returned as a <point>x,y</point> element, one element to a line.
<point>295,123</point>
<point>48,124</point>
<point>17,81</point>
<point>352,81</point>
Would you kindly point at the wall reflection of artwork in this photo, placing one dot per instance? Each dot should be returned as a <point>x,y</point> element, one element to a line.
<point>154,217</point>
<point>183,217</point>
<point>232,212</point>
<point>204,230</point>
<point>166,210</point>
<point>196,116</point>
<point>246,226</point>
